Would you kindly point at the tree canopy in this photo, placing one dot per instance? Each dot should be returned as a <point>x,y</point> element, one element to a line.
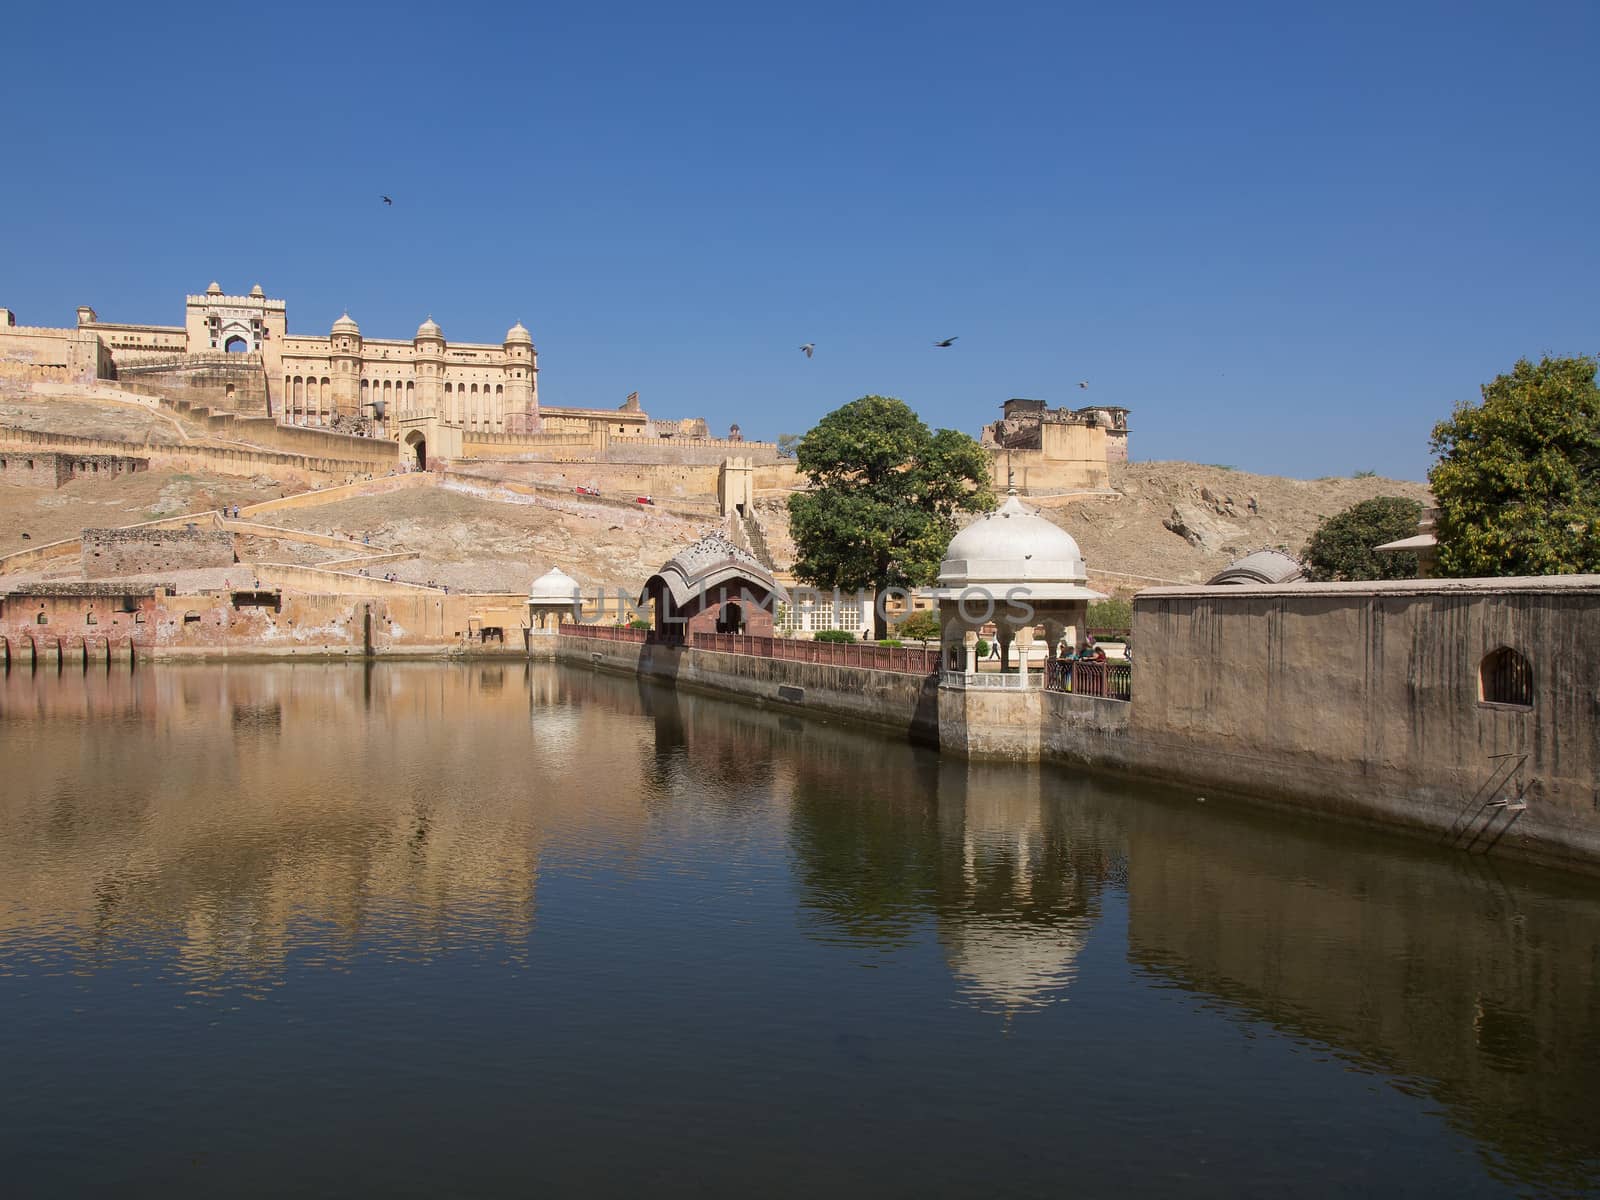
<point>884,491</point>
<point>1342,546</point>
<point>1518,476</point>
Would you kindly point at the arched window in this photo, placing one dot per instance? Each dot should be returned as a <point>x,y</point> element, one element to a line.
<point>1505,677</point>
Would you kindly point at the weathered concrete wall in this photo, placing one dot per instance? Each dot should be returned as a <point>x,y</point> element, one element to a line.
<point>1363,700</point>
<point>905,703</point>
<point>112,553</point>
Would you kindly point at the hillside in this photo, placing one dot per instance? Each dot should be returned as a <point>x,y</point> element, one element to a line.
<point>1182,522</point>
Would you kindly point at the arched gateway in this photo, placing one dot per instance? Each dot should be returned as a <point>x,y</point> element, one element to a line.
<point>418,446</point>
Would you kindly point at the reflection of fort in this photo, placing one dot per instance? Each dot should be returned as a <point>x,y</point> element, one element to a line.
<point>406,802</point>
<point>422,800</point>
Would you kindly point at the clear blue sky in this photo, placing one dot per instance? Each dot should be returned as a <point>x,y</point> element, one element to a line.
<point>1287,241</point>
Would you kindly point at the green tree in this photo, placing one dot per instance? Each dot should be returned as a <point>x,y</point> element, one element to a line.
<point>923,625</point>
<point>787,442</point>
<point>884,491</point>
<point>1518,476</point>
<point>1342,546</point>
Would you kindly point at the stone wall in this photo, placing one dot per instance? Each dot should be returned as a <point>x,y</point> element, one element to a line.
<point>1364,700</point>
<point>111,553</point>
<point>904,703</point>
<point>49,470</point>
<point>234,381</point>
<point>243,461</point>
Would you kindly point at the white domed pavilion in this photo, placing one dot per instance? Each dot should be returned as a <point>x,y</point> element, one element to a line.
<point>1017,569</point>
<point>554,597</point>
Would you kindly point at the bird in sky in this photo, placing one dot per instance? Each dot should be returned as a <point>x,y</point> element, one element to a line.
<point>389,201</point>
<point>947,341</point>
<point>1083,383</point>
<point>808,348</point>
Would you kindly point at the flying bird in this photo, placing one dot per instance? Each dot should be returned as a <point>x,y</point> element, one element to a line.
<point>389,201</point>
<point>1083,383</point>
<point>946,342</point>
<point>808,348</point>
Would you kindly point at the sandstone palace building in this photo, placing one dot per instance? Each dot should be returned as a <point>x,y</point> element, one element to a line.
<point>233,357</point>
<point>241,345</point>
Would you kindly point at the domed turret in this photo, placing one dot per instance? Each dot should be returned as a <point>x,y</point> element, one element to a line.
<point>256,291</point>
<point>429,329</point>
<point>555,586</point>
<point>345,325</point>
<point>1013,544</point>
<point>214,289</point>
<point>519,334</point>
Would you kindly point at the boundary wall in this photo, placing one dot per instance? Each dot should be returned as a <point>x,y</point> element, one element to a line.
<point>904,703</point>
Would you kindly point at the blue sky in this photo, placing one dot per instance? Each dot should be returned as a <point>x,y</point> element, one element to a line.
<point>1288,241</point>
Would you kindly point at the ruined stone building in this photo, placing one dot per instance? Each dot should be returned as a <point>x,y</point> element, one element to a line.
<point>1043,450</point>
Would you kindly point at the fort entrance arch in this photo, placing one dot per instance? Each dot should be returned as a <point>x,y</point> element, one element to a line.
<point>418,445</point>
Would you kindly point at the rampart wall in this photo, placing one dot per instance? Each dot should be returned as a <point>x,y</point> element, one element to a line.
<point>242,461</point>
<point>237,381</point>
<point>290,439</point>
<point>46,469</point>
<point>115,553</point>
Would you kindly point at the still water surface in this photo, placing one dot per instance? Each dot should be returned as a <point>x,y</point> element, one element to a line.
<point>444,930</point>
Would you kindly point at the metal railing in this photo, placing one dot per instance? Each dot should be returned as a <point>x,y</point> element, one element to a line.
<point>909,660</point>
<point>1107,680</point>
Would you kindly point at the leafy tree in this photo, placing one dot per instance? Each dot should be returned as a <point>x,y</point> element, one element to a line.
<point>787,442</point>
<point>923,625</point>
<point>1115,613</point>
<point>1342,546</point>
<point>883,494</point>
<point>1518,476</point>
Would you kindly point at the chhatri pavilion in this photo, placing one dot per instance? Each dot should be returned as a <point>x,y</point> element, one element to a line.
<point>1017,569</point>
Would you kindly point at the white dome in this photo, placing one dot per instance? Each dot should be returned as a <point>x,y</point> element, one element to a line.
<point>429,329</point>
<point>555,586</point>
<point>518,333</point>
<point>1012,544</point>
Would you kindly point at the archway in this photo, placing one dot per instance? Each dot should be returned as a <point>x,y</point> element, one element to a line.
<point>731,618</point>
<point>419,447</point>
<point>236,345</point>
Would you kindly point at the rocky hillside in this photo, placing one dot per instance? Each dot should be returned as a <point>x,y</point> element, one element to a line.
<point>1183,522</point>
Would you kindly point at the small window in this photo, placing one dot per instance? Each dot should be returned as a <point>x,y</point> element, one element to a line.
<point>1505,677</point>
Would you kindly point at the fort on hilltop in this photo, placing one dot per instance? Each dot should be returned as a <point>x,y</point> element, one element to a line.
<point>234,363</point>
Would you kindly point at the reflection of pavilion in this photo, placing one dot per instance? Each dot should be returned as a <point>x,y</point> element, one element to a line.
<point>1017,916</point>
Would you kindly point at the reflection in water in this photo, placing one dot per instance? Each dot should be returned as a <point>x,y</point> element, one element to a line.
<point>503,890</point>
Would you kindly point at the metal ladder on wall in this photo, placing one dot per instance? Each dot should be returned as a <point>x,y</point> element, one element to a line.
<point>1475,824</point>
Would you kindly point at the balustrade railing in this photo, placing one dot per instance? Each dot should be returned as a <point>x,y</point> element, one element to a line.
<point>1107,680</point>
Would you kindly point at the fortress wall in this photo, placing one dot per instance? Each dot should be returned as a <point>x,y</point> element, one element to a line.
<point>62,355</point>
<point>237,381</point>
<point>203,458</point>
<point>689,484</point>
<point>697,451</point>
<point>112,553</point>
<point>51,470</point>
<point>1037,473</point>
<point>781,476</point>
